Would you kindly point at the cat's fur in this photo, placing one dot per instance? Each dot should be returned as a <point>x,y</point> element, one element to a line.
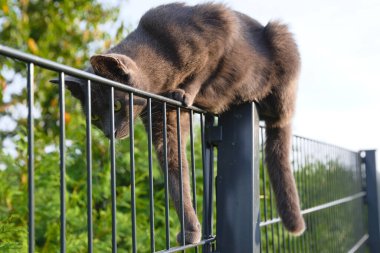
<point>213,57</point>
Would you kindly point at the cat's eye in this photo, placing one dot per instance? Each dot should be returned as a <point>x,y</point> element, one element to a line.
<point>94,117</point>
<point>117,106</point>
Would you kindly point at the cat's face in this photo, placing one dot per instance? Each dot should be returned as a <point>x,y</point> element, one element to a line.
<point>108,67</point>
<point>101,111</point>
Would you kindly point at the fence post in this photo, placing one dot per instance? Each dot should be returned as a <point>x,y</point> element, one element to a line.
<point>237,186</point>
<point>373,200</point>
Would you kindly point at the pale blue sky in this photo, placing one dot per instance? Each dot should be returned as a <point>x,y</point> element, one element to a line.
<point>339,41</point>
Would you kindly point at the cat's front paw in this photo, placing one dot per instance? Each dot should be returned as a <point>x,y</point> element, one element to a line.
<point>181,96</point>
<point>191,236</point>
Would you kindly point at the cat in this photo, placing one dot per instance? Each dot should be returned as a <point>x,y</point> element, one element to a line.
<point>213,57</point>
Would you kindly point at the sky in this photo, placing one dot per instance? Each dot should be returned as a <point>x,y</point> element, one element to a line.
<point>339,42</point>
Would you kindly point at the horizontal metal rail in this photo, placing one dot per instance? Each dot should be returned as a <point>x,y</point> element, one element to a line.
<point>188,246</point>
<point>359,244</point>
<point>29,58</point>
<point>319,207</point>
<point>325,144</point>
<point>262,126</point>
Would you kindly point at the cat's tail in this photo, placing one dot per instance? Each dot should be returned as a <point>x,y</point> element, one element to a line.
<point>278,141</point>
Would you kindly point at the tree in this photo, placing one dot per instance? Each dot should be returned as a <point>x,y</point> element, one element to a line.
<point>67,32</point>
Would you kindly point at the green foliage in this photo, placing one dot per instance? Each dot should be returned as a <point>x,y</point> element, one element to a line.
<point>59,30</point>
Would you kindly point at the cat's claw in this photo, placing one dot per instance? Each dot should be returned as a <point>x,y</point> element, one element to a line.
<point>181,96</point>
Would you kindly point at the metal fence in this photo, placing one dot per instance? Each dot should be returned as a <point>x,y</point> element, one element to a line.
<point>239,207</point>
<point>331,193</point>
<point>161,105</point>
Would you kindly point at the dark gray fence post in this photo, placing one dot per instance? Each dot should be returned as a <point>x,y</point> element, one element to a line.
<point>373,200</point>
<point>237,187</point>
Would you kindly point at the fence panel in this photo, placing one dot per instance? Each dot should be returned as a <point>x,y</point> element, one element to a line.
<point>329,183</point>
<point>159,113</point>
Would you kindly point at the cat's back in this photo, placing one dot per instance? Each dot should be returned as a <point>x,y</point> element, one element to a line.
<point>208,15</point>
<point>181,23</point>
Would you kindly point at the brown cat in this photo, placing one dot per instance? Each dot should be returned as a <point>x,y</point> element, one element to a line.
<point>213,57</point>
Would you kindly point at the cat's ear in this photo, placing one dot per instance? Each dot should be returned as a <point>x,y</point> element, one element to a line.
<point>74,85</point>
<point>113,66</point>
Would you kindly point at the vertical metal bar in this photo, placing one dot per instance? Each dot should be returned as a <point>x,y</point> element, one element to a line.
<point>30,88</point>
<point>278,236</point>
<point>205,163</point>
<point>341,241</point>
<point>264,186</point>
<point>89,167</point>
<point>271,217</point>
<point>210,150</point>
<point>62,139</point>
<point>326,152</point>
<point>283,238</point>
<point>166,175</point>
<point>211,194</point>
<point>314,202</point>
<point>113,167</point>
<point>329,195</point>
<point>193,176</point>
<point>238,181</point>
<point>151,194</point>
<point>373,199</point>
<point>293,154</point>
<point>331,153</point>
<point>295,241</point>
<point>295,173</point>
<point>306,194</point>
<point>312,219</point>
<point>132,160</point>
<point>301,183</point>
<point>307,197</point>
<point>336,211</point>
<point>182,214</point>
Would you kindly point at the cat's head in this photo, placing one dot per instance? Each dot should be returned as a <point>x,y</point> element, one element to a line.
<point>117,68</point>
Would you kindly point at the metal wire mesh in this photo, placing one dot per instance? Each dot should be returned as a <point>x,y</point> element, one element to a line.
<point>329,183</point>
